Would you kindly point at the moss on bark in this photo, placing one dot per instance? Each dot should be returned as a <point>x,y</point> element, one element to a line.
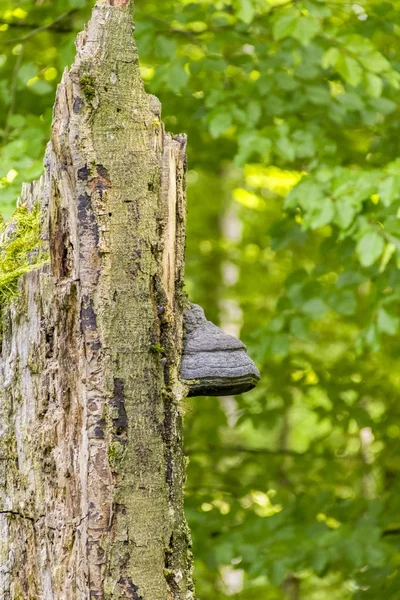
<point>21,249</point>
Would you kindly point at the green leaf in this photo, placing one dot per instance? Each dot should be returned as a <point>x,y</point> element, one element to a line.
<point>279,571</point>
<point>389,190</point>
<point>390,249</point>
<point>373,85</point>
<point>365,50</point>
<point>319,94</point>
<point>330,58</point>
<point>372,338</point>
<point>26,72</point>
<point>387,323</point>
<point>280,345</point>
<point>252,143</point>
<point>307,194</point>
<point>245,10</point>
<point>284,26</point>
<point>254,111</point>
<point>16,121</point>
<point>286,82</point>
<point>165,47</point>
<point>306,29</point>
<point>299,328</point>
<point>41,87</point>
<point>320,560</point>
<point>370,248</point>
<point>323,214</point>
<point>220,123</point>
<point>304,143</point>
<point>177,78</point>
<point>345,213</point>
<point>343,302</point>
<point>375,61</point>
<point>349,69</point>
<point>393,78</point>
<point>317,9</point>
<point>351,101</point>
<point>315,308</point>
<point>214,98</point>
<point>285,148</point>
<point>276,325</point>
<point>384,105</point>
<point>349,279</point>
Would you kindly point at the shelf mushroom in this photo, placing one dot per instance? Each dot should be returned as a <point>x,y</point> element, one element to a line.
<point>213,362</point>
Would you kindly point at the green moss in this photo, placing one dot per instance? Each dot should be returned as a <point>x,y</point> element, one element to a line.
<point>8,448</point>
<point>116,453</point>
<point>20,251</point>
<point>88,87</point>
<point>157,349</point>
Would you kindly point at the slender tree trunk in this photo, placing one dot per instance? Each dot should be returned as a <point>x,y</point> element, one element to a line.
<point>92,470</point>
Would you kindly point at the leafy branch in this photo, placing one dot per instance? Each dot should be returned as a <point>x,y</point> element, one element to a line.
<point>54,25</point>
<point>267,452</point>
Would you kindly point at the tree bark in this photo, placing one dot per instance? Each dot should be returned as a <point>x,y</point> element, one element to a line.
<point>92,469</point>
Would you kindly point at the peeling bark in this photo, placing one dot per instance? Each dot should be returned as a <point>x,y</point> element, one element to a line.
<point>92,470</point>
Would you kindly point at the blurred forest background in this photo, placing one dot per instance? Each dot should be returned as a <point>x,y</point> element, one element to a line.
<point>292,115</point>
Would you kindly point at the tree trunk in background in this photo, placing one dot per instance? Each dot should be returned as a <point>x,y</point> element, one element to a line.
<point>92,470</point>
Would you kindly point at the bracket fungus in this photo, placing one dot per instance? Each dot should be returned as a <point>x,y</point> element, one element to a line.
<point>213,362</point>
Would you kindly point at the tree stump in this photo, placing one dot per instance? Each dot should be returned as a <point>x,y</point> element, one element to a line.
<point>92,469</point>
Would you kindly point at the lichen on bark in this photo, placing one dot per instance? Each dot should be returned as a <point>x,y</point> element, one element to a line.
<point>91,487</point>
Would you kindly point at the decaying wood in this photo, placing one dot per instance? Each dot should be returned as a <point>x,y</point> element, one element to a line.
<point>92,472</point>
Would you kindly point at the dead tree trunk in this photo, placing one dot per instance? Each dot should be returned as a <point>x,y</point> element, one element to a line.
<point>92,471</point>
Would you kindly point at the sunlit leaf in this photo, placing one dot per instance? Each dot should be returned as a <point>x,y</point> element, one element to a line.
<point>370,248</point>
<point>387,323</point>
<point>284,26</point>
<point>220,123</point>
<point>350,69</point>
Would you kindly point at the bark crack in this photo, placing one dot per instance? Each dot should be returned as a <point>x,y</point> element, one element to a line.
<point>16,513</point>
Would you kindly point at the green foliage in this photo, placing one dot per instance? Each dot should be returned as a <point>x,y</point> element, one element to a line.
<point>292,115</point>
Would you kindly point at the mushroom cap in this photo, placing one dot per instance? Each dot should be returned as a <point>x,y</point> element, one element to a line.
<point>213,362</point>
